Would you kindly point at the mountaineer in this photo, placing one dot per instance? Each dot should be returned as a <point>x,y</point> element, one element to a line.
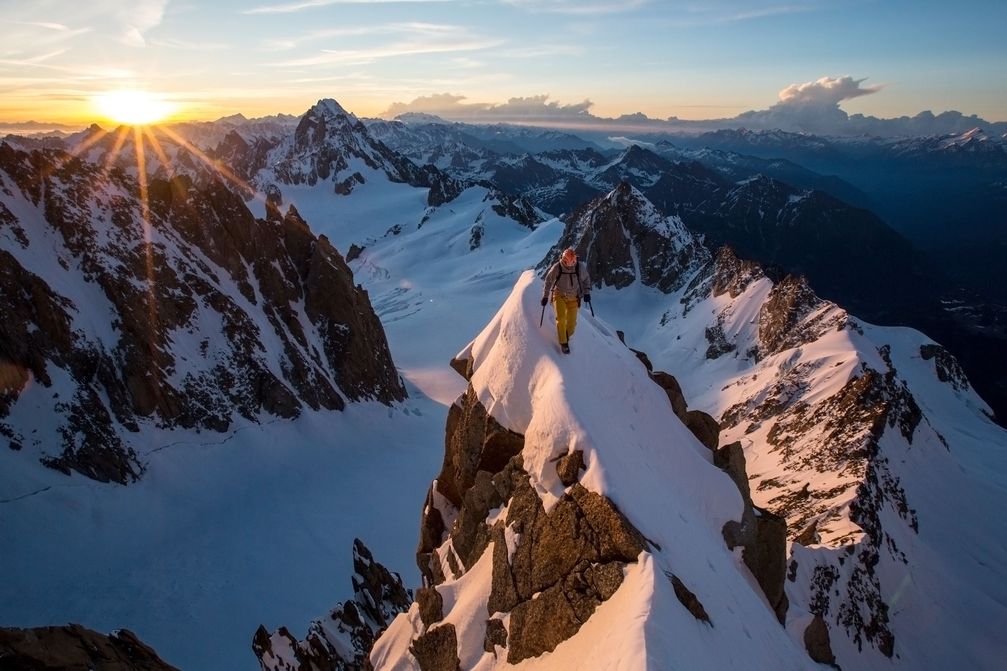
<point>569,282</point>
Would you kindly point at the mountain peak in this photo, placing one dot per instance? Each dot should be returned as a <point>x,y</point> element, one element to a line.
<point>238,118</point>
<point>624,238</point>
<point>328,108</point>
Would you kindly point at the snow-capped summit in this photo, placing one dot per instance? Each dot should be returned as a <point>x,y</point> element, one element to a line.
<point>623,238</point>
<point>638,164</point>
<point>975,139</point>
<point>332,145</point>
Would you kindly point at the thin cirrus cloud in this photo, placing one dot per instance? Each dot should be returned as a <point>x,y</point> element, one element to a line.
<point>301,5</point>
<point>577,7</point>
<point>415,28</point>
<point>369,55</point>
<point>413,39</point>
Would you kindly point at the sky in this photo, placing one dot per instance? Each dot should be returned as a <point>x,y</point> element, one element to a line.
<point>689,59</point>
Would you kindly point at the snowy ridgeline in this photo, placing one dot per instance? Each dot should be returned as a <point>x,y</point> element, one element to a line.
<point>874,481</point>
<point>601,401</point>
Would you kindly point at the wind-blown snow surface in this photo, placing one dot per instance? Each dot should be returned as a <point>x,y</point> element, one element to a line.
<point>225,531</point>
<point>431,287</point>
<point>948,603</point>
<point>601,400</point>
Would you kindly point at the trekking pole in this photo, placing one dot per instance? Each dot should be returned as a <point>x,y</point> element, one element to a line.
<point>591,305</point>
<point>542,318</point>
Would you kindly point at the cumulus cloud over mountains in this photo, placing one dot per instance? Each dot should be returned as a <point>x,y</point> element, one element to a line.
<point>812,107</point>
<point>531,108</point>
<point>826,91</point>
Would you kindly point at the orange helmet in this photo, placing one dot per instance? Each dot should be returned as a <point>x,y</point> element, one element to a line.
<point>569,257</point>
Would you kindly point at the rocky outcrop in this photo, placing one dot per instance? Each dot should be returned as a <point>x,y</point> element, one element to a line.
<point>761,534</point>
<point>793,315</point>
<point>168,306</point>
<point>623,238</point>
<point>564,562</point>
<point>437,649</point>
<point>817,643</point>
<point>688,599</point>
<point>946,365</point>
<point>343,640</point>
<point>802,433</point>
<point>72,648</point>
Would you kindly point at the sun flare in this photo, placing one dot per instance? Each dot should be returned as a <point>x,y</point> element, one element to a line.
<point>133,107</point>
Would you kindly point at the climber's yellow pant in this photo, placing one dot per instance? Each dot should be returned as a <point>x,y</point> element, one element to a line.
<point>566,317</point>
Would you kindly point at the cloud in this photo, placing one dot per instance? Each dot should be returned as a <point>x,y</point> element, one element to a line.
<point>414,39</point>
<point>141,17</point>
<point>300,5</point>
<point>531,108</point>
<point>577,7</point>
<point>826,92</point>
<point>410,28</point>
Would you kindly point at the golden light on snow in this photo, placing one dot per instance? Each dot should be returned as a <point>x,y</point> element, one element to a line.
<point>133,107</point>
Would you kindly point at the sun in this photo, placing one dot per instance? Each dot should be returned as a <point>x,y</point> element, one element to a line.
<point>133,107</point>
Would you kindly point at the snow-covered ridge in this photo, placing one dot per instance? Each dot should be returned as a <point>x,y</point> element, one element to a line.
<point>870,447</point>
<point>601,403</point>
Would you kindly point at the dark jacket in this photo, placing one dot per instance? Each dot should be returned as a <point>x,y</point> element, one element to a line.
<point>567,282</point>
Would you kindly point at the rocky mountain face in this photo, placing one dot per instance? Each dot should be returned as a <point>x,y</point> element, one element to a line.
<point>133,305</point>
<point>735,167</point>
<point>623,239</point>
<point>839,424</point>
<point>74,647</point>
<point>329,141</point>
<point>343,640</point>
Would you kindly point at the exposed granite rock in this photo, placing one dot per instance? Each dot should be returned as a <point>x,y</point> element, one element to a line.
<point>503,594</point>
<point>569,467</point>
<point>463,367</point>
<point>689,599</point>
<point>474,441</point>
<point>74,648</point>
<point>788,318</point>
<point>496,635</point>
<point>761,534</point>
<point>354,252</point>
<point>431,605</point>
<point>539,625</point>
<point>731,459</point>
<point>705,428</point>
<point>719,345</point>
<point>671,387</point>
<point>437,649</point>
<point>432,530</point>
<point>343,641</point>
<point>817,643</point>
<point>946,365</point>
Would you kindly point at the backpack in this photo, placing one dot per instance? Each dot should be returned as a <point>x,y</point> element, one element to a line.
<point>575,272</point>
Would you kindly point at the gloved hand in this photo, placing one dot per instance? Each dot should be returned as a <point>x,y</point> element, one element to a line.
<point>587,298</point>
<point>544,301</point>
